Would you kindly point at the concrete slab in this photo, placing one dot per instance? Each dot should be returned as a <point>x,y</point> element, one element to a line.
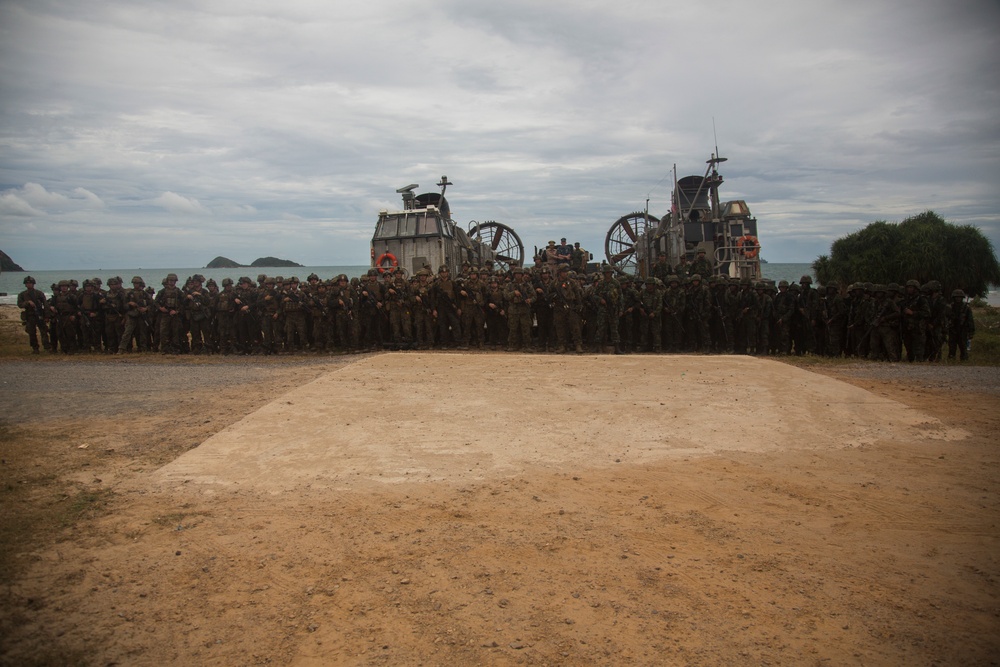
<point>407,417</point>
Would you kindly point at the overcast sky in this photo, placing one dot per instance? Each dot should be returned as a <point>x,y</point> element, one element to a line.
<point>162,134</point>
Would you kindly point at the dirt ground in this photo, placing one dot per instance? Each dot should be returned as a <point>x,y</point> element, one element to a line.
<point>235,511</point>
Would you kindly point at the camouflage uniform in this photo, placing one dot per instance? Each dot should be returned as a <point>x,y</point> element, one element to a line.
<point>341,304</point>
<point>169,302</point>
<point>91,324</point>
<point>32,304</point>
<point>674,303</point>
<point>916,312</point>
<point>65,308</point>
<point>398,303</point>
<point>137,307</point>
<point>607,302</point>
<point>567,307</point>
<point>961,326</point>
<point>938,321</point>
<point>198,304</point>
<point>224,307</point>
<point>520,298</point>
<point>271,327</point>
<point>293,306</point>
<point>423,310</point>
<point>651,315</point>
<point>472,300</point>
<point>836,320</point>
<point>542,309</point>
<point>444,295</point>
<point>884,326</point>
<point>113,306</point>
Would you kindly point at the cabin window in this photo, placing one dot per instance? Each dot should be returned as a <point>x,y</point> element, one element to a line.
<point>408,225</point>
<point>387,228</point>
<point>427,225</point>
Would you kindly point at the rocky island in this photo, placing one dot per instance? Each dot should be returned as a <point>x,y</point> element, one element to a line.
<point>226,263</point>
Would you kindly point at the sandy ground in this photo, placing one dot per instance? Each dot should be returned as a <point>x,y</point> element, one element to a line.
<point>446,509</point>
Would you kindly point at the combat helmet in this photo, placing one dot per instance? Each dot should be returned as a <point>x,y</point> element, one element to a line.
<point>172,276</point>
<point>28,279</point>
<point>137,280</point>
<point>833,284</point>
<point>226,282</point>
<point>806,280</point>
<point>913,283</point>
<point>782,283</point>
<point>958,293</point>
<point>696,277</point>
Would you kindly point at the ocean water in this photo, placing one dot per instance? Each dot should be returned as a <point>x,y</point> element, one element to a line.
<point>11,282</point>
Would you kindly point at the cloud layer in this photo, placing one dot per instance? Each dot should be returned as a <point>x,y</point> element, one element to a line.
<point>131,130</point>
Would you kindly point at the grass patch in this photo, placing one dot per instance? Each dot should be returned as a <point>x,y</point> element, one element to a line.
<point>986,343</point>
<point>85,504</point>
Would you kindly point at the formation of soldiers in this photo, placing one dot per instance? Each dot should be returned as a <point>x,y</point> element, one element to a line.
<point>543,308</point>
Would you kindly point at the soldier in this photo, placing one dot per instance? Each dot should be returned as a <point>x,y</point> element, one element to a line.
<point>699,307</point>
<point>341,304</point>
<point>938,321</point>
<point>269,303</point>
<point>246,327</point>
<point>398,303</point>
<point>198,304</point>
<point>961,326</point>
<point>91,325</point>
<point>113,306</point>
<point>65,310</point>
<point>916,312</point>
<point>32,304</point>
<point>567,307</point>
<point>472,300</point>
<point>423,310</point>
<point>371,307</point>
<point>808,316</point>
<point>293,307</point>
<point>749,318</point>
<point>579,259</point>
<point>224,307</point>
<point>784,311</point>
<point>444,294</point>
<point>169,301</point>
<point>607,303</point>
<point>629,310</point>
<point>542,309</point>
<point>660,269</point>
<point>136,318</point>
<point>836,319</point>
<point>884,326</point>
<point>650,315</point>
<point>674,304</point>
<point>520,297</point>
<point>701,265</point>
<point>496,314</point>
<point>766,314</point>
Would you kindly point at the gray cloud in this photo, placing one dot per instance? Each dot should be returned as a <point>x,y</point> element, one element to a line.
<point>262,128</point>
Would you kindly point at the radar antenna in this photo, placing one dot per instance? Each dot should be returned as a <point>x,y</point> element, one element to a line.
<point>444,184</point>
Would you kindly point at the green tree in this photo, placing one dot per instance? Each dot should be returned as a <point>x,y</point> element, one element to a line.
<point>923,247</point>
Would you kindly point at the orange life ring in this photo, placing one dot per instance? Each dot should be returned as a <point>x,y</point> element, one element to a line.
<point>380,262</point>
<point>752,248</point>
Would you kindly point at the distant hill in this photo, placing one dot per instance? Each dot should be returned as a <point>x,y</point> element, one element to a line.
<point>223,263</point>
<point>272,262</point>
<point>268,262</point>
<point>7,264</point>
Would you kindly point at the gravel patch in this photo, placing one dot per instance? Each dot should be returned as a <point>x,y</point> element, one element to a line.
<point>30,390</point>
<point>984,379</point>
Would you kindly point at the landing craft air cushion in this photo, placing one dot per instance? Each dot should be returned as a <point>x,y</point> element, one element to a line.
<point>727,232</point>
<point>424,235</point>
